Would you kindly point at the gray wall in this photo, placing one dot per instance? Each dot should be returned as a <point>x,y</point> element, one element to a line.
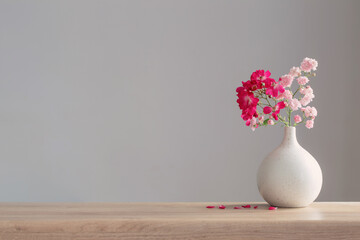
<point>135,100</point>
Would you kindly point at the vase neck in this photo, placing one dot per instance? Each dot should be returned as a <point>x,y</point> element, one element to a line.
<point>290,136</point>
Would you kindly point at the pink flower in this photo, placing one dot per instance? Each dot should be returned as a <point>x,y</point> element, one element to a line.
<point>256,80</point>
<point>274,90</point>
<point>306,90</point>
<point>309,124</point>
<point>308,64</point>
<point>309,95</point>
<point>310,111</point>
<point>267,110</point>
<point>253,124</point>
<point>302,80</point>
<point>287,94</point>
<point>294,104</point>
<point>260,75</point>
<point>297,119</point>
<point>246,98</point>
<point>295,72</point>
<point>307,99</point>
<point>286,80</point>
<point>261,119</point>
<point>277,108</point>
<point>270,122</point>
<point>253,121</point>
<point>247,103</point>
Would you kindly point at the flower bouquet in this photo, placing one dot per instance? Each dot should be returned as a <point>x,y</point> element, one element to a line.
<point>261,98</point>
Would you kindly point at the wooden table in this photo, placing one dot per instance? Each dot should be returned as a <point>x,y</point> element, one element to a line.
<point>87,221</point>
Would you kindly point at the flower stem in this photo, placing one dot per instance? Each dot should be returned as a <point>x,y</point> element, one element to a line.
<point>289,117</point>
<point>296,91</point>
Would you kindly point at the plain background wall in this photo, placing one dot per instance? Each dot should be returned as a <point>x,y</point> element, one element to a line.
<point>135,100</point>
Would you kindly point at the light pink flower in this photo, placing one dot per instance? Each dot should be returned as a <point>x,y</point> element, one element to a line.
<point>309,124</point>
<point>294,104</point>
<point>310,111</point>
<point>286,80</point>
<point>306,90</point>
<point>253,124</point>
<point>261,119</point>
<point>308,64</point>
<point>295,71</point>
<point>302,80</point>
<point>297,119</point>
<point>271,122</point>
<point>307,99</point>
<point>288,95</point>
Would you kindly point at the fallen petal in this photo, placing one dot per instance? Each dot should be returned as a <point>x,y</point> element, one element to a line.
<point>256,207</point>
<point>272,208</point>
<point>247,206</point>
<point>210,206</point>
<point>222,207</point>
<point>237,207</point>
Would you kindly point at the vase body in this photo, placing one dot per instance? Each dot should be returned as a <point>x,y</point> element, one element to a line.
<point>289,176</point>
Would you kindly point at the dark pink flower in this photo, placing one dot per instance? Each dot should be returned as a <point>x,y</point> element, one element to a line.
<point>246,99</point>
<point>247,103</point>
<point>260,75</point>
<point>275,116</point>
<point>277,108</point>
<point>274,90</point>
<point>252,85</point>
<point>249,113</point>
<point>267,110</point>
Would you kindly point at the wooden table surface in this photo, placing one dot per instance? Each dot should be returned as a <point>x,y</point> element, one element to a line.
<point>340,220</point>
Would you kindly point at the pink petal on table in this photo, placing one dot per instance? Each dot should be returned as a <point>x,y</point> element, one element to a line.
<point>272,208</point>
<point>222,207</point>
<point>247,206</point>
<point>256,207</point>
<point>237,207</point>
<point>210,206</point>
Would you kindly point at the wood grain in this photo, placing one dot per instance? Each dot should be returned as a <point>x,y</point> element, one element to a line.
<point>87,221</point>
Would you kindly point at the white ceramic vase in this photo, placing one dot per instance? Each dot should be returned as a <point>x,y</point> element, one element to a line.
<point>289,176</point>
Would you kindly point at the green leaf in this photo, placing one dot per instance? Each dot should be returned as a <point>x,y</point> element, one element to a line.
<point>266,122</point>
